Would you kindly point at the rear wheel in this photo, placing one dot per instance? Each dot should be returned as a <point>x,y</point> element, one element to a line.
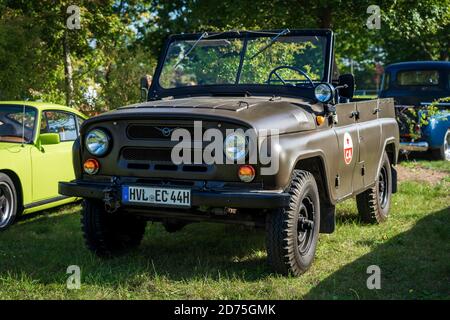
<point>373,204</point>
<point>443,153</point>
<point>107,233</point>
<point>292,233</point>
<point>8,202</point>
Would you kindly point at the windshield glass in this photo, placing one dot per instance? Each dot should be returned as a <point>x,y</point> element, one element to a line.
<point>216,61</point>
<point>17,125</point>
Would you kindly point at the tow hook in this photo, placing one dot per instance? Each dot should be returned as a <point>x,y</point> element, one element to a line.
<point>112,204</point>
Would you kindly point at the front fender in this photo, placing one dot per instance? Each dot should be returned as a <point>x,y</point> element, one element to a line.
<point>434,132</point>
<point>293,148</point>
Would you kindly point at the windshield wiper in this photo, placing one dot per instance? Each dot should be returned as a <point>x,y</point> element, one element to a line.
<point>282,33</point>
<point>204,35</point>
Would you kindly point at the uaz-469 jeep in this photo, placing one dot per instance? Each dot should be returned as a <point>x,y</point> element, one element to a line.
<point>252,128</point>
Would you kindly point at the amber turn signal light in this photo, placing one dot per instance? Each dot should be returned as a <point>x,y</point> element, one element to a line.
<point>320,120</point>
<point>91,166</point>
<point>246,173</point>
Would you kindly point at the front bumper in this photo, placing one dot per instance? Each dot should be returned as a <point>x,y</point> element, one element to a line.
<point>220,199</point>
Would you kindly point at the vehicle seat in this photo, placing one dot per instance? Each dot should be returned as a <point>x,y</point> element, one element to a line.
<point>8,129</point>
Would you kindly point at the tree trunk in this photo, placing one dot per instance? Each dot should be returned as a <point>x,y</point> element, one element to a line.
<point>325,17</point>
<point>68,71</point>
<point>444,55</point>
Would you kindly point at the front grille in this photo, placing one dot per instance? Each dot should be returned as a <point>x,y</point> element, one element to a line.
<point>148,151</point>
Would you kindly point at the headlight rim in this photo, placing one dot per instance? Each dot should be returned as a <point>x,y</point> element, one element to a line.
<point>329,86</point>
<point>245,146</point>
<point>109,142</point>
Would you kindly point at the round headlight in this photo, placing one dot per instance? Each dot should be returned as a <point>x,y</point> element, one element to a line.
<point>97,142</point>
<point>323,92</point>
<point>235,146</point>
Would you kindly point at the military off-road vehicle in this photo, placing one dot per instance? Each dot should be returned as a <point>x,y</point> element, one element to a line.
<point>250,127</point>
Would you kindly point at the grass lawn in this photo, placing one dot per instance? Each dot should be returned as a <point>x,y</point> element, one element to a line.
<point>209,261</point>
<point>441,165</point>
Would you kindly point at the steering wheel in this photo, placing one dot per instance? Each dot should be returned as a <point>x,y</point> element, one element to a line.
<point>274,72</point>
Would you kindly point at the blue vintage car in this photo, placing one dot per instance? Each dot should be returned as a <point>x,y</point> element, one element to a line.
<point>414,86</point>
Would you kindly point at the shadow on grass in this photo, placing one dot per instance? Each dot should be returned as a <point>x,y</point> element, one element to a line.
<point>412,156</point>
<point>348,217</point>
<point>24,218</point>
<point>414,265</point>
<point>42,246</point>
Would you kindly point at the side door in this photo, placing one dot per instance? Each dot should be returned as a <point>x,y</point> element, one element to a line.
<point>53,163</point>
<point>369,128</point>
<point>346,181</point>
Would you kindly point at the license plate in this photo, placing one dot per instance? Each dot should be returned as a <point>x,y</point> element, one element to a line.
<point>156,195</point>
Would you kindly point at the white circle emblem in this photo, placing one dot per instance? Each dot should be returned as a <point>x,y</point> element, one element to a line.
<point>348,148</point>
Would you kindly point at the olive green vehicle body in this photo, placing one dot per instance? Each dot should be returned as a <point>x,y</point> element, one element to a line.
<point>36,167</point>
<point>139,155</point>
<point>303,144</point>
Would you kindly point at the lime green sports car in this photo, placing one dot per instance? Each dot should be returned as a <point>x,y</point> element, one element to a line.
<point>35,153</point>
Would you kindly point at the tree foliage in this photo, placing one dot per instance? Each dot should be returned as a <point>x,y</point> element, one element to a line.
<point>120,40</point>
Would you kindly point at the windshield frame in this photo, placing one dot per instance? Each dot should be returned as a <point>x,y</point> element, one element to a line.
<point>35,124</point>
<point>156,91</point>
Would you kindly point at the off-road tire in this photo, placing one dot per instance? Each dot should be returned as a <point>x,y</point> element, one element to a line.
<point>373,204</point>
<point>290,252</point>
<point>9,206</point>
<point>443,153</point>
<point>107,234</point>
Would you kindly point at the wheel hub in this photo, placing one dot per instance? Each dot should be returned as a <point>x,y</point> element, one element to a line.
<point>382,187</point>
<point>305,225</point>
<point>446,146</point>
<point>5,204</point>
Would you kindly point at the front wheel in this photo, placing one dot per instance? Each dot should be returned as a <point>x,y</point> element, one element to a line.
<point>292,233</point>
<point>373,204</point>
<point>107,234</point>
<point>8,202</point>
<point>443,153</point>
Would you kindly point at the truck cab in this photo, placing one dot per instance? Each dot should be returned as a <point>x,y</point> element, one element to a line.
<point>415,86</point>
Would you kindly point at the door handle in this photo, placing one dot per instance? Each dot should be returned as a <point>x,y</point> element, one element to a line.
<point>376,110</point>
<point>355,114</point>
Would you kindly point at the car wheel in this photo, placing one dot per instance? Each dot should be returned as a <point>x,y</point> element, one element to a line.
<point>8,202</point>
<point>107,233</point>
<point>292,233</point>
<point>373,204</point>
<point>443,153</point>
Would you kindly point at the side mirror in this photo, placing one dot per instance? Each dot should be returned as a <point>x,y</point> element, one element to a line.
<point>346,86</point>
<point>145,85</point>
<point>49,138</point>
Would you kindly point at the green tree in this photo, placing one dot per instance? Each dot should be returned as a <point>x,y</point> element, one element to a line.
<point>77,66</point>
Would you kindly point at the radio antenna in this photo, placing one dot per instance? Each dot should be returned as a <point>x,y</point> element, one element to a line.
<point>23,125</point>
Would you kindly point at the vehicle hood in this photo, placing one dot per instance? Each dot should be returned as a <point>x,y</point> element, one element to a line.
<point>286,115</point>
